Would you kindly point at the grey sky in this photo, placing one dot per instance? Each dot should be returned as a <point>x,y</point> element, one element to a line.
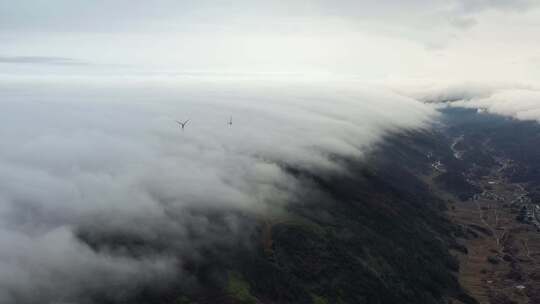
<point>374,40</point>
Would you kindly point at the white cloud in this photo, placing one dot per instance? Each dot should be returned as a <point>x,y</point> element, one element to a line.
<point>517,103</point>
<point>104,157</point>
<point>56,267</point>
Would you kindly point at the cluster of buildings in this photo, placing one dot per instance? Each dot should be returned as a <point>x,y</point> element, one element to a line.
<point>488,195</point>
<point>530,214</point>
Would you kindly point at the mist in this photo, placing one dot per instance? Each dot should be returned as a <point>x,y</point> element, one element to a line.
<point>521,104</point>
<point>516,100</point>
<point>88,162</point>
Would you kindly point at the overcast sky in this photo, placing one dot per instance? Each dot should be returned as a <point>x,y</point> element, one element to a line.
<point>373,40</point>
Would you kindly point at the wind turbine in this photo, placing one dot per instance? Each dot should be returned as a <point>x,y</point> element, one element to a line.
<point>182,124</point>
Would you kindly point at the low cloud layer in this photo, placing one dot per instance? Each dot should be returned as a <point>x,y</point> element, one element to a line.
<point>512,100</point>
<point>86,165</point>
<point>517,103</point>
<point>39,60</point>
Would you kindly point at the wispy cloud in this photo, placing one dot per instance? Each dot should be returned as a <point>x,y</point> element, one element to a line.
<point>41,60</point>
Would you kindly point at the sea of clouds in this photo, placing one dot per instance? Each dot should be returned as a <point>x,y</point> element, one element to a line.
<point>104,158</point>
<point>518,101</point>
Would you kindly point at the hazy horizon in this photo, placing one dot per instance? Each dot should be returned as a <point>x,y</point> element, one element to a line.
<point>456,40</point>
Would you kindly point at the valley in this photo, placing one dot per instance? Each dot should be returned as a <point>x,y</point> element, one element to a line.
<point>498,225</point>
<point>502,263</point>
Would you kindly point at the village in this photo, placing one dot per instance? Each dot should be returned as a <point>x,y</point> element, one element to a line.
<point>501,227</point>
